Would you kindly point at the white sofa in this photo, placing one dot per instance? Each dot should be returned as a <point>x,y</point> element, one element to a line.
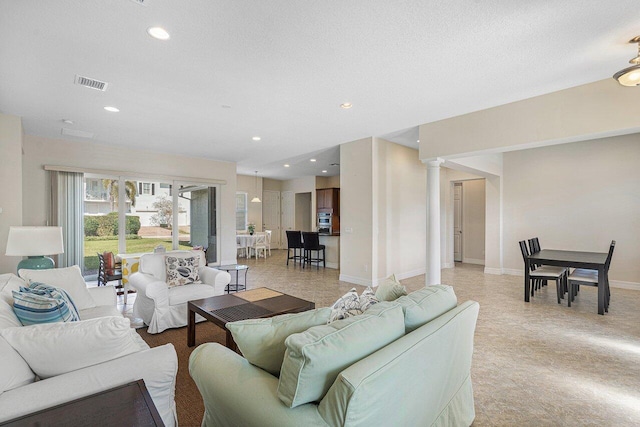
<point>23,392</point>
<point>162,307</point>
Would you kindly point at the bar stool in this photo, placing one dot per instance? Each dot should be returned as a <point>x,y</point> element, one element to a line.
<point>294,241</point>
<point>311,242</point>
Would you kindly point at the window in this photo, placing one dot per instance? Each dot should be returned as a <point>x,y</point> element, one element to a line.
<point>147,188</point>
<point>241,211</point>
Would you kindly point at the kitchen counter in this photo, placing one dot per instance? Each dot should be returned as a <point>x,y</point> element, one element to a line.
<point>332,251</point>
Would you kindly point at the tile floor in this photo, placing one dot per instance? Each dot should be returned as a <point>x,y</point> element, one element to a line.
<point>535,364</point>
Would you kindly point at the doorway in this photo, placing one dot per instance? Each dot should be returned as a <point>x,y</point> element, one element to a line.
<point>468,225</point>
<point>303,212</point>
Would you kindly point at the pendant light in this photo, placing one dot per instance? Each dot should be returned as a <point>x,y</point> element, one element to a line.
<point>630,76</point>
<point>256,199</point>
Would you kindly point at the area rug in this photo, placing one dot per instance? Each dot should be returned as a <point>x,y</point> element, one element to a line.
<point>189,403</point>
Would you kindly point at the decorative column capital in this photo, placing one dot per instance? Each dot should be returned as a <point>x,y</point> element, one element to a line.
<point>434,163</point>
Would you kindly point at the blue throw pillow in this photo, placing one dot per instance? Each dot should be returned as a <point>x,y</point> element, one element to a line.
<point>42,303</point>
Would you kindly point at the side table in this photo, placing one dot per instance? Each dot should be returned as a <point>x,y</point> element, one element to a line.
<point>128,404</point>
<point>237,286</point>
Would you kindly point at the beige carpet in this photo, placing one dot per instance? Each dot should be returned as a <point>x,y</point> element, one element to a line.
<point>188,400</point>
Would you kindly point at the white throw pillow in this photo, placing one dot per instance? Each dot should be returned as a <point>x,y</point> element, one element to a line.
<point>56,348</point>
<point>70,279</point>
<point>14,371</point>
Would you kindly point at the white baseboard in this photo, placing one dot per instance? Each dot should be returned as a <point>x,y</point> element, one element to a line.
<point>408,274</point>
<point>447,265</point>
<point>333,265</point>
<point>355,280</point>
<point>490,270</point>
<point>473,261</point>
<point>624,285</point>
<point>513,271</point>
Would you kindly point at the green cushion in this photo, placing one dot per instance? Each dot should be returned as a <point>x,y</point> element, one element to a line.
<point>426,304</point>
<point>261,341</point>
<point>390,289</point>
<point>314,358</point>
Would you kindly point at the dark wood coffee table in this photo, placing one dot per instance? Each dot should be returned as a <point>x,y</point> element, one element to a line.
<point>253,304</point>
<point>128,404</point>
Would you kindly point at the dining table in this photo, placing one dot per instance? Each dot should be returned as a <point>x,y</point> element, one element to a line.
<point>570,259</point>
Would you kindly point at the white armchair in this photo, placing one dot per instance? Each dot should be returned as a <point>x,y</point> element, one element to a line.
<point>162,307</point>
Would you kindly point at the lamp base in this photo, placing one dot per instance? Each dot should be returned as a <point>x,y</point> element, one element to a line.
<point>36,263</point>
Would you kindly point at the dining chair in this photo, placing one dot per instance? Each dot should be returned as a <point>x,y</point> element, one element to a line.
<point>268,241</point>
<point>108,269</point>
<point>311,243</point>
<point>240,247</point>
<point>534,247</point>
<point>544,273</point>
<point>260,244</point>
<point>583,276</point>
<point>294,242</point>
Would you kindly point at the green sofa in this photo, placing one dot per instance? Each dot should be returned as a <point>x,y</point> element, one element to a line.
<point>420,379</point>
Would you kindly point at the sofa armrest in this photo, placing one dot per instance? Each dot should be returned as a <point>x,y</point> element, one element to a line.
<point>217,278</point>
<point>227,381</point>
<point>104,295</point>
<point>151,287</point>
<point>157,367</point>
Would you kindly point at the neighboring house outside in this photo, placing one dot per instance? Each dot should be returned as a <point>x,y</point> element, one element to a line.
<point>97,202</point>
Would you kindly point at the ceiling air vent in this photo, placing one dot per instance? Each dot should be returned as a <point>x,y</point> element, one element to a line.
<point>91,83</point>
<point>138,1</point>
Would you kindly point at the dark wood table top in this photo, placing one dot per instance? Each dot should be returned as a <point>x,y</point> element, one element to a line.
<point>252,304</point>
<point>570,257</point>
<point>126,405</point>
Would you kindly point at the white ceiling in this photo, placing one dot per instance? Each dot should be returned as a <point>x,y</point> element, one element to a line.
<point>284,68</point>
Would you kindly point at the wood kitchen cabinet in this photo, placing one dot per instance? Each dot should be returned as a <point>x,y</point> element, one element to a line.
<point>328,200</point>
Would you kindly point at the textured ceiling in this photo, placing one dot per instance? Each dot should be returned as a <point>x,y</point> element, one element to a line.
<point>284,68</point>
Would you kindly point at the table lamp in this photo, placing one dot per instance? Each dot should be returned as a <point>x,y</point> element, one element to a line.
<point>35,243</point>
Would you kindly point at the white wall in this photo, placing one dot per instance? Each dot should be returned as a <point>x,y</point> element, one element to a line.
<point>577,196</point>
<point>383,203</point>
<point>594,110</point>
<point>401,202</point>
<point>11,199</point>
<point>41,151</point>
<point>356,207</point>
<point>247,184</point>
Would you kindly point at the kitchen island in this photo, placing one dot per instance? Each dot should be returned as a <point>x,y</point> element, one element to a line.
<point>332,251</point>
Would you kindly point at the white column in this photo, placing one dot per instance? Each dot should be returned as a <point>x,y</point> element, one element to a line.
<point>432,276</point>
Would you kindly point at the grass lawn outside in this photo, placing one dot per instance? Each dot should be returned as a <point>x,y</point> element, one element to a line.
<point>92,247</point>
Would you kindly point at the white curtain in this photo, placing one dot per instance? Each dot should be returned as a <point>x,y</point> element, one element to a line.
<point>67,210</point>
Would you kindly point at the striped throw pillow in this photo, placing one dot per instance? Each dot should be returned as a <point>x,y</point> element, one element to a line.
<point>42,303</point>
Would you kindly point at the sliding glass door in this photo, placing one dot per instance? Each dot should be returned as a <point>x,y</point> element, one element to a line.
<point>147,214</point>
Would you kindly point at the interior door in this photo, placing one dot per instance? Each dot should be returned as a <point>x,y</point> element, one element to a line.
<point>271,215</point>
<point>457,222</point>
<point>288,214</point>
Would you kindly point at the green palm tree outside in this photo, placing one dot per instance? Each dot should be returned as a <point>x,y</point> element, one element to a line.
<point>111,185</point>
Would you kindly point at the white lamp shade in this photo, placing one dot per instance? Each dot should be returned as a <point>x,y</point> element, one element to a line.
<point>34,241</point>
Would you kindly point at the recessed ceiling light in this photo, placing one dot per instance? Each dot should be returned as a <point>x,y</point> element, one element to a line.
<point>418,141</point>
<point>67,121</point>
<point>312,160</point>
<point>112,109</point>
<point>324,171</point>
<point>346,105</point>
<point>256,138</point>
<point>286,166</point>
<point>158,33</point>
